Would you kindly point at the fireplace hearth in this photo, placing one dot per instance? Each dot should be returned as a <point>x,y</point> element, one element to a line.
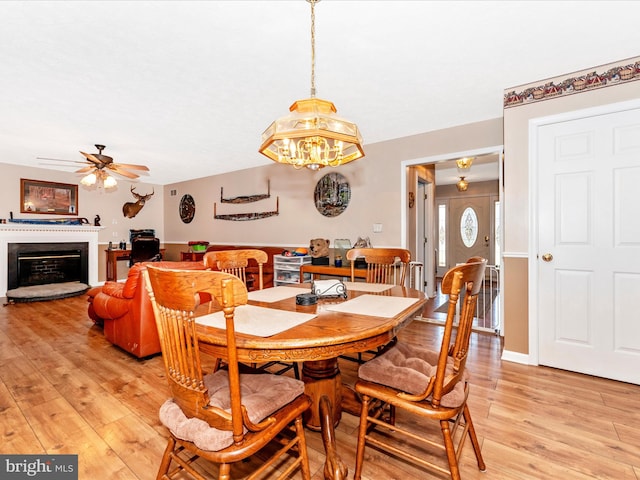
<point>55,260</point>
<point>58,270</point>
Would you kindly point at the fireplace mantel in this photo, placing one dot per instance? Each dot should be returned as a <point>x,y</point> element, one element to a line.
<point>38,233</point>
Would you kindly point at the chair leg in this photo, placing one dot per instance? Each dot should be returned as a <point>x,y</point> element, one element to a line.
<point>224,473</point>
<point>302,449</point>
<point>362,432</point>
<point>450,450</point>
<point>166,459</point>
<point>474,438</point>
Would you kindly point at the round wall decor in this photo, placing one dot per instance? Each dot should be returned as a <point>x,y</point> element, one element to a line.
<point>187,208</point>
<point>332,194</point>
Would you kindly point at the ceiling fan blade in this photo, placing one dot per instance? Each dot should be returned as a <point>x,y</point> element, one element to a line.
<point>86,169</point>
<point>92,158</point>
<point>124,173</point>
<point>132,166</point>
<point>59,160</point>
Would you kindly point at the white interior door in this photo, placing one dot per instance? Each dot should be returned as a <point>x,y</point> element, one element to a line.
<point>588,265</point>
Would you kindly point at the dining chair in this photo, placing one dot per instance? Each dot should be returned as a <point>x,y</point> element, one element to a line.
<point>236,262</point>
<point>223,417</point>
<point>384,265</point>
<point>433,385</point>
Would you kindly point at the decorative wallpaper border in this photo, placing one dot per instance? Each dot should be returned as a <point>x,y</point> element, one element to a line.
<point>612,74</point>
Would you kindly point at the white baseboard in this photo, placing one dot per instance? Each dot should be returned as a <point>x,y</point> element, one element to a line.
<point>515,357</point>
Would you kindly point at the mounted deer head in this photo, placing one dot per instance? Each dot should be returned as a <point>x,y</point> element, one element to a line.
<point>131,209</point>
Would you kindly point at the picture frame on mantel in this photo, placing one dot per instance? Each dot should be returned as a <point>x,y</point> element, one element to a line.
<point>41,197</point>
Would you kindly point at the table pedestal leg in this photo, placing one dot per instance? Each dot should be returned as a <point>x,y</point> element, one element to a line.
<point>322,378</point>
<point>324,386</point>
<point>334,467</point>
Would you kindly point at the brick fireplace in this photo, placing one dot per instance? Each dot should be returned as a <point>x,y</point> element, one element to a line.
<point>49,253</point>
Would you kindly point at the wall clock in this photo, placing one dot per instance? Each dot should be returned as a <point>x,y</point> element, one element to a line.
<point>332,194</point>
<point>187,208</point>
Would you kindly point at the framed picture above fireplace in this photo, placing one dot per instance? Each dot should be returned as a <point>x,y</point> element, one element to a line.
<point>53,198</point>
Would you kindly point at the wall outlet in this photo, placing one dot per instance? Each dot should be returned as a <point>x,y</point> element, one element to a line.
<point>377,227</point>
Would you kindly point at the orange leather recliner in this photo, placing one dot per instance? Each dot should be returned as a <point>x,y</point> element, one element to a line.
<point>125,310</point>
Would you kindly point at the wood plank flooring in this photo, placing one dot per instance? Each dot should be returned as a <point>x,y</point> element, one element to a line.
<point>65,389</point>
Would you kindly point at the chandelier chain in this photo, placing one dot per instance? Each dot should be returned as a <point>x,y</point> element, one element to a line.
<point>313,48</point>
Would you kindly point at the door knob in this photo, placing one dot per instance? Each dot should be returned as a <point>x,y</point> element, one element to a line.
<point>547,257</point>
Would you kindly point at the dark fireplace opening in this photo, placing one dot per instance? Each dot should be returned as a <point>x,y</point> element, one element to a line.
<point>32,264</point>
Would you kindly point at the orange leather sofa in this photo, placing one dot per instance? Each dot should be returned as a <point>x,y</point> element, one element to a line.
<point>125,311</point>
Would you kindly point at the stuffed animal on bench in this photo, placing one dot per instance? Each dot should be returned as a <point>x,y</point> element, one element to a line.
<point>319,251</point>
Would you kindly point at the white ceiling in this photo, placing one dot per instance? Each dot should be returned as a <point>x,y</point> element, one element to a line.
<point>188,87</point>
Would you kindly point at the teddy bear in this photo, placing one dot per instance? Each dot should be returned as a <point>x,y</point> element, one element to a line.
<point>319,251</point>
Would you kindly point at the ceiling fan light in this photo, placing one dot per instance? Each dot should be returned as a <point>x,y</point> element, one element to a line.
<point>89,180</point>
<point>110,182</point>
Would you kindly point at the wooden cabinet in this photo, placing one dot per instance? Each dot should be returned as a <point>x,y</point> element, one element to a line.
<point>286,270</point>
<point>192,256</point>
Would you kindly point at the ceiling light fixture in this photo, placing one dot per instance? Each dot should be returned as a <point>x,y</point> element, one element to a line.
<point>312,135</point>
<point>100,177</point>
<point>462,185</point>
<point>464,163</point>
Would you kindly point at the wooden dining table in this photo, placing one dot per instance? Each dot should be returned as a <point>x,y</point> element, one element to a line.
<point>370,316</point>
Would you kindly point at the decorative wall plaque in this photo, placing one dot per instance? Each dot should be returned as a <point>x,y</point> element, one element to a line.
<point>332,194</point>
<point>187,208</point>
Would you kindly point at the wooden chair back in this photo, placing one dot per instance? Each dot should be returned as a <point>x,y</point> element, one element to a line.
<point>384,265</point>
<point>465,280</point>
<point>175,297</point>
<point>235,262</point>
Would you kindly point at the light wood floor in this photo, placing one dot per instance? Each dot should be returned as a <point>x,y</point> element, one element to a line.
<point>64,389</point>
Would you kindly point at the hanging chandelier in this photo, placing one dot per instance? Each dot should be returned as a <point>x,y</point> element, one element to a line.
<point>312,135</point>
<point>462,185</point>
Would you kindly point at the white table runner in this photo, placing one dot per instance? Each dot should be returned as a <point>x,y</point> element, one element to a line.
<point>375,305</point>
<point>275,294</point>
<point>259,321</point>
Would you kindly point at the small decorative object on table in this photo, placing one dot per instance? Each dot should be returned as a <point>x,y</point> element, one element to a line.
<point>306,299</point>
<point>329,288</point>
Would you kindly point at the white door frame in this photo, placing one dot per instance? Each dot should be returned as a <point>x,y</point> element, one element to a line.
<point>497,149</point>
<point>534,125</point>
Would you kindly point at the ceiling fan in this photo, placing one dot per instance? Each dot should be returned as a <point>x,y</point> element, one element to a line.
<point>99,168</point>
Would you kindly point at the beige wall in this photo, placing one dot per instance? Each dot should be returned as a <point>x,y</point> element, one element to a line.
<point>90,203</point>
<point>375,197</point>
<point>375,194</point>
<point>516,193</point>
